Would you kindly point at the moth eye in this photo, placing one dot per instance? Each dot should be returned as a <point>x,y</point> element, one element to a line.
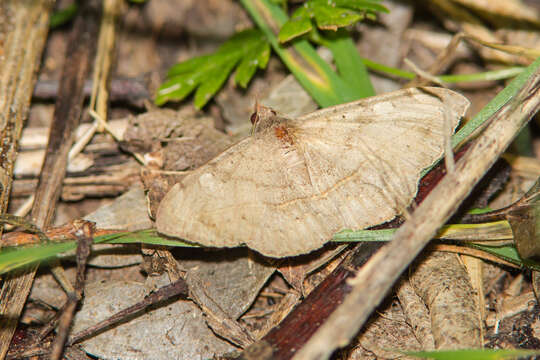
<point>254,118</point>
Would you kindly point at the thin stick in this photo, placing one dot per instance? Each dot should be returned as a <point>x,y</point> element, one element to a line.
<point>375,279</point>
<point>102,68</point>
<point>128,90</point>
<point>178,288</point>
<point>84,243</point>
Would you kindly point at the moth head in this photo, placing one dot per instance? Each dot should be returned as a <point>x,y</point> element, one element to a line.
<point>262,118</point>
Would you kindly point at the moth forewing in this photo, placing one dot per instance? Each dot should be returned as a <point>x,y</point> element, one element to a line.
<point>425,103</point>
<point>289,187</point>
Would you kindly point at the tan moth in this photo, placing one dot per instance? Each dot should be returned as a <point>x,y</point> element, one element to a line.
<point>292,184</point>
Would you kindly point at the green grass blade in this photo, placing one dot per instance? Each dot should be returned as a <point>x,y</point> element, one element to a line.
<point>349,64</point>
<point>364,235</point>
<point>388,70</point>
<point>11,259</point>
<point>508,253</point>
<point>14,258</point>
<point>148,236</point>
<point>482,76</point>
<point>474,354</point>
<point>492,231</point>
<point>495,104</point>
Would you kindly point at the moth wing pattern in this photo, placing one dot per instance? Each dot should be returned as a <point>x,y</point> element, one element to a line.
<point>286,190</point>
<point>237,198</point>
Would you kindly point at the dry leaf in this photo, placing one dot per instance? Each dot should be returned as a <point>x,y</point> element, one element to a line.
<point>290,186</point>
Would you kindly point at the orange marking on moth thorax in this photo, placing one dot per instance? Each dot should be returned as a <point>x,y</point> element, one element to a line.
<point>283,134</point>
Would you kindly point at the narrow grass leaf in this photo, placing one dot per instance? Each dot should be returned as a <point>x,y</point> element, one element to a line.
<point>14,258</point>
<point>508,253</point>
<point>364,235</point>
<point>492,231</point>
<point>348,62</point>
<point>11,259</point>
<point>474,77</point>
<point>148,236</point>
<point>474,354</point>
<point>495,104</point>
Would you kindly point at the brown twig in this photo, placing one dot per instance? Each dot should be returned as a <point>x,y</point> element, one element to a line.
<point>218,320</point>
<point>441,63</point>
<point>178,288</point>
<point>57,234</point>
<point>99,181</point>
<point>24,30</point>
<point>68,109</point>
<point>132,91</point>
<point>84,242</point>
<point>22,222</point>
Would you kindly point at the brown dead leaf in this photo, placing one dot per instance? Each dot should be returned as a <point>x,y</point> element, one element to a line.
<point>188,140</point>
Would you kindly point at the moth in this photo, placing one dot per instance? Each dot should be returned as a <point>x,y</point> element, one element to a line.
<point>287,188</point>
